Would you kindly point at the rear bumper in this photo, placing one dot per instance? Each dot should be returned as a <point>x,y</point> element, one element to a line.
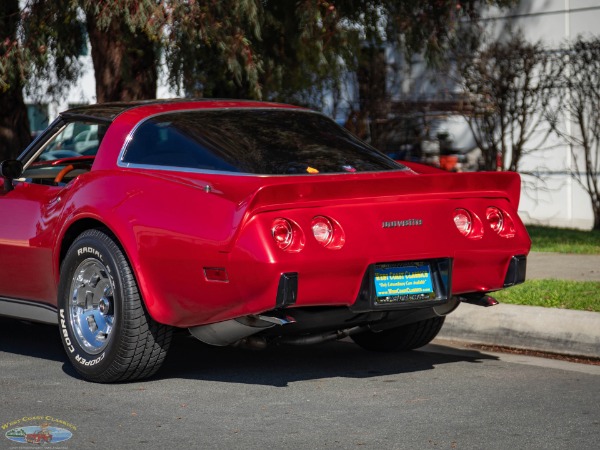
<point>287,292</point>
<point>259,287</point>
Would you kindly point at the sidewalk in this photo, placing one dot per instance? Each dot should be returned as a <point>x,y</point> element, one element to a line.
<point>554,330</point>
<point>563,266</point>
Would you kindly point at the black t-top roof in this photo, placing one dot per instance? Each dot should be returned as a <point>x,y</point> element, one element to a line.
<point>108,111</point>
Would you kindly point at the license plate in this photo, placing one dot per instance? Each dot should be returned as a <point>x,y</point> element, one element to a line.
<point>402,283</point>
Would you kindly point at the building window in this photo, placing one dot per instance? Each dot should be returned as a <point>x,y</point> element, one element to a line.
<point>38,117</point>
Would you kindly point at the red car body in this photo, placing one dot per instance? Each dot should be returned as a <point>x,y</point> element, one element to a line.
<point>38,438</point>
<point>201,243</point>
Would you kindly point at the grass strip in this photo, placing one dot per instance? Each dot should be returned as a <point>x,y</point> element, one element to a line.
<point>579,295</point>
<point>564,240</point>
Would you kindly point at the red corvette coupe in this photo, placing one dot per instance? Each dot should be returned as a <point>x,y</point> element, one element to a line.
<point>247,223</point>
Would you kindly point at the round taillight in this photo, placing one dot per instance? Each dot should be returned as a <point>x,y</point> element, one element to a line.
<point>282,233</point>
<point>463,221</point>
<point>500,221</point>
<point>328,232</point>
<point>495,219</point>
<point>322,229</point>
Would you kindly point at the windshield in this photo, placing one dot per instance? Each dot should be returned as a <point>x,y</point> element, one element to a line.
<point>269,142</point>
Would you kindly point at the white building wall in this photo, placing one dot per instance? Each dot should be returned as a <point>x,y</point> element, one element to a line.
<point>552,197</point>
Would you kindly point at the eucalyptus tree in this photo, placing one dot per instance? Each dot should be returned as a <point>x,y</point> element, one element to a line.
<point>14,127</point>
<point>284,50</point>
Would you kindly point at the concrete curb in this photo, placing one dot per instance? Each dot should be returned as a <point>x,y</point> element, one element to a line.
<point>562,331</point>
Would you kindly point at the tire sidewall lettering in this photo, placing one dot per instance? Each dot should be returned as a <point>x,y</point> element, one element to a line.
<point>86,362</point>
<point>79,252</point>
<point>71,348</point>
<point>64,332</point>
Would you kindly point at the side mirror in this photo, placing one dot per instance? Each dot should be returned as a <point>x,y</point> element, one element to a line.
<point>10,169</point>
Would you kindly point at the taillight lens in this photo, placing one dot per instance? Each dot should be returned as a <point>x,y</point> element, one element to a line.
<point>287,235</point>
<point>500,221</point>
<point>322,229</point>
<point>468,223</point>
<point>328,232</point>
<point>282,233</point>
<point>463,221</point>
<point>495,218</point>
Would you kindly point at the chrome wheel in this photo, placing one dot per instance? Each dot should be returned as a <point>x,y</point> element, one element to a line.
<point>91,306</point>
<point>107,333</point>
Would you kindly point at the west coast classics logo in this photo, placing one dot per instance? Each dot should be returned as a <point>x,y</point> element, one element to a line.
<point>40,430</point>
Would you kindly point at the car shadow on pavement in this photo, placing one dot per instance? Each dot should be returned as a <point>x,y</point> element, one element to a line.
<point>280,365</point>
<point>31,339</point>
<point>275,366</point>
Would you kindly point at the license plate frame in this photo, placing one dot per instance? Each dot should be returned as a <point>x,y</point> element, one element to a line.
<point>406,282</point>
<point>441,277</point>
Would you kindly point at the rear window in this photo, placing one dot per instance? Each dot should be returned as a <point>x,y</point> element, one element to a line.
<point>269,142</point>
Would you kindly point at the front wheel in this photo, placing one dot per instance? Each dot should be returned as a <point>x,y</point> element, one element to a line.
<point>106,331</point>
<point>406,337</point>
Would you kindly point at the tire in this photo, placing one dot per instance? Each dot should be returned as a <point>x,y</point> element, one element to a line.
<point>106,331</point>
<point>406,337</point>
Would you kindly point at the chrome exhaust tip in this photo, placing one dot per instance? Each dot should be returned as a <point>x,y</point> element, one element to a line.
<point>479,300</point>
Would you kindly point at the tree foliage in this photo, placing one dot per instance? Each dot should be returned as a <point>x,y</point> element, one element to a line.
<point>14,127</point>
<point>275,47</point>
<point>48,40</point>
<point>578,121</point>
<point>510,87</point>
<point>284,50</point>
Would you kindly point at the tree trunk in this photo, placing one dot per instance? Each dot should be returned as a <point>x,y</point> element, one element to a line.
<point>14,123</point>
<point>124,62</point>
<point>596,211</point>
<point>372,93</point>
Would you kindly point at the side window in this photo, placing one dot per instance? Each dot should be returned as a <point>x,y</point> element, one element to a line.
<point>67,154</point>
<point>164,143</point>
<point>76,139</point>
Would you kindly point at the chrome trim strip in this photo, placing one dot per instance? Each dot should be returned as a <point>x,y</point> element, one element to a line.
<point>28,310</point>
<point>188,170</point>
<point>175,169</point>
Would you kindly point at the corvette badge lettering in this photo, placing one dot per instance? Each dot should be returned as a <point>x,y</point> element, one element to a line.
<point>402,223</point>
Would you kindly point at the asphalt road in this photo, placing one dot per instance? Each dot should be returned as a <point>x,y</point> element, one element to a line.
<point>331,396</point>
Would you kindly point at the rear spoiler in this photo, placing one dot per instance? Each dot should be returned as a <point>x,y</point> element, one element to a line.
<point>311,191</point>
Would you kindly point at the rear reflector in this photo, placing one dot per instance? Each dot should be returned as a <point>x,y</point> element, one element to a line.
<point>216,274</point>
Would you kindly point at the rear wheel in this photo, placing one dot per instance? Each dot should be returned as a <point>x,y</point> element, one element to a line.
<point>406,337</point>
<point>106,331</point>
